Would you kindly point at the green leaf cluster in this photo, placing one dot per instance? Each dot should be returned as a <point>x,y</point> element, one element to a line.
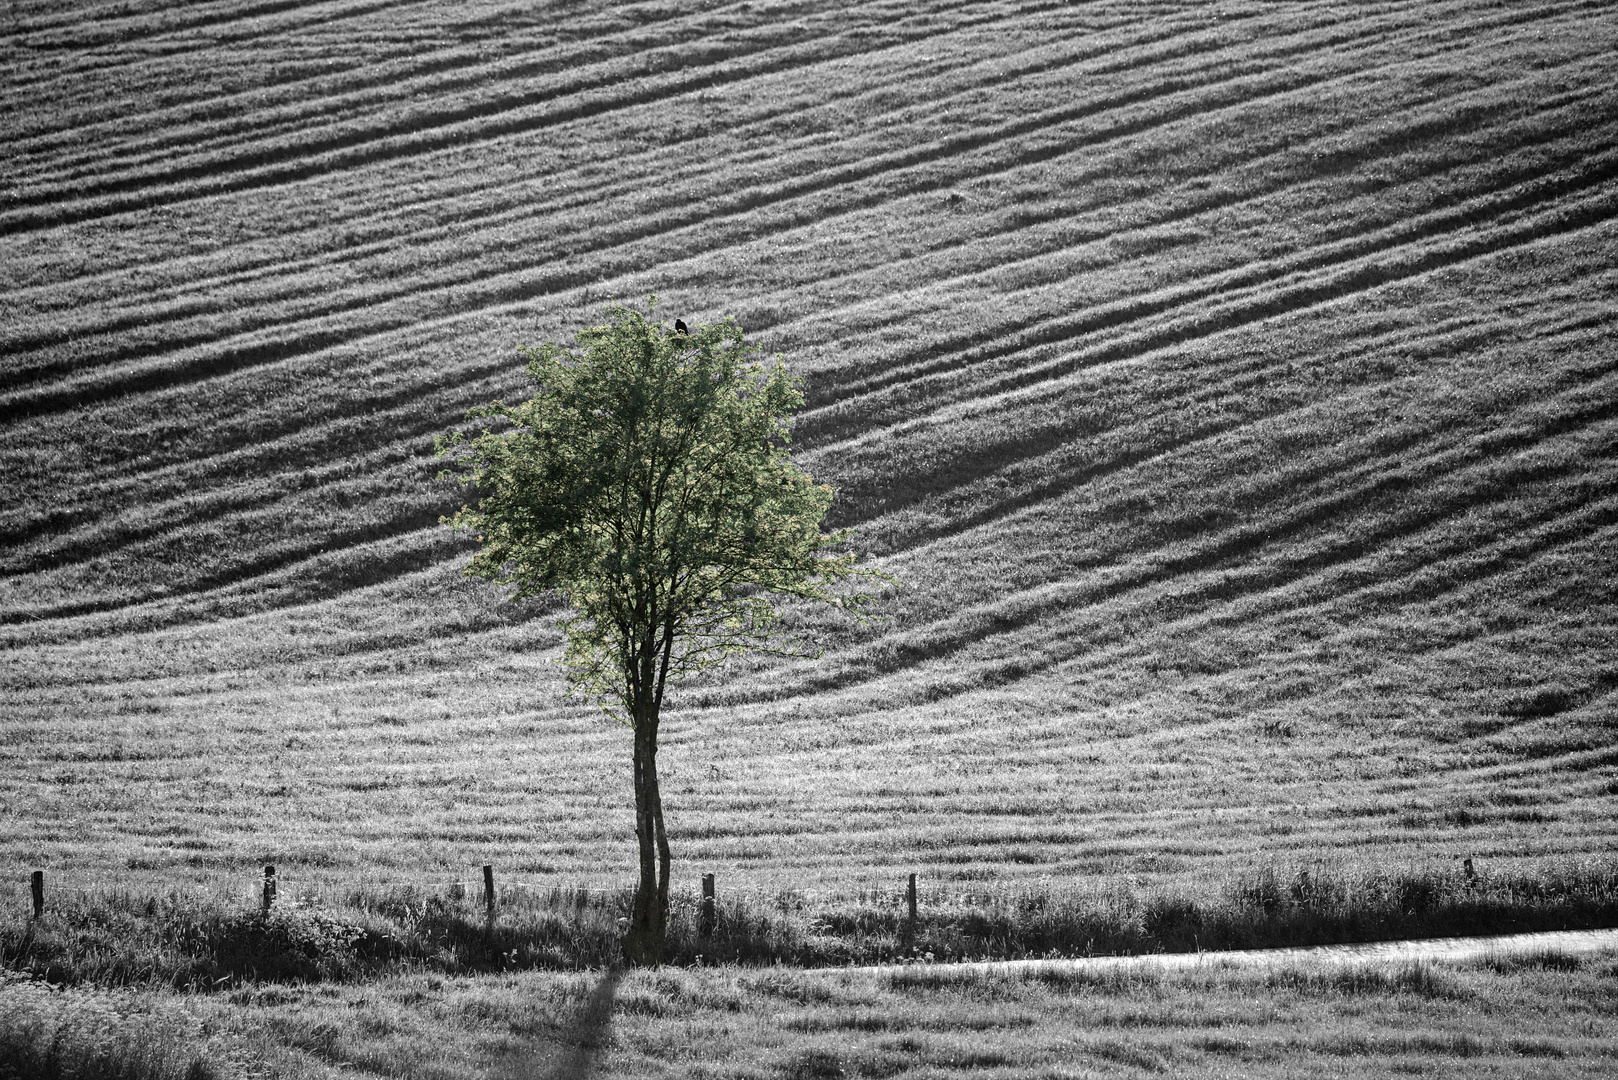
<point>648,480</point>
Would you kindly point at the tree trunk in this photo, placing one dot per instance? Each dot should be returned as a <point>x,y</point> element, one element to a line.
<point>648,922</point>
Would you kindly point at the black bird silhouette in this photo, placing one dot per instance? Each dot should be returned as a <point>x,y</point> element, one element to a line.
<point>679,328</point>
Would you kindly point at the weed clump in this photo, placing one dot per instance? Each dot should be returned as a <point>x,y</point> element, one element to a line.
<point>1543,960</point>
<point>1418,978</point>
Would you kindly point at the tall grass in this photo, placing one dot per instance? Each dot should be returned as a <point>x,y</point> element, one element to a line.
<point>118,939</point>
<point>55,1034</point>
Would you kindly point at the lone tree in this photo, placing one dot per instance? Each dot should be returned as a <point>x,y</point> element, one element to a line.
<point>647,481</point>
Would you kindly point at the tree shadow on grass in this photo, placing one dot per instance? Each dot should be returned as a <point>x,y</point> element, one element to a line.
<point>574,1054</point>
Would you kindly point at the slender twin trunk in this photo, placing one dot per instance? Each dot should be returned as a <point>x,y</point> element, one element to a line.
<point>649,920</point>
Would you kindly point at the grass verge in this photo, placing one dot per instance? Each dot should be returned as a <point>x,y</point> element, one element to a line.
<point>1362,1020</point>
<point>117,939</point>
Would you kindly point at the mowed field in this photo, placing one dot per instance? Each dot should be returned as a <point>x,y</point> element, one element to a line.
<point>1233,387</point>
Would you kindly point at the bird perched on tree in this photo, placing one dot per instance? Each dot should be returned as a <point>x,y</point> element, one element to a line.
<point>679,328</point>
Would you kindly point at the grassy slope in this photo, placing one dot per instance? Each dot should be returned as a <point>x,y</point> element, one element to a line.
<point>1232,387</point>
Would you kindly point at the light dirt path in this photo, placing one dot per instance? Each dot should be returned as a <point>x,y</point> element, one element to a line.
<point>1577,942</point>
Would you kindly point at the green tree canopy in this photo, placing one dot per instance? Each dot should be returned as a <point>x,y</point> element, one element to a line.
<point>648,481</point>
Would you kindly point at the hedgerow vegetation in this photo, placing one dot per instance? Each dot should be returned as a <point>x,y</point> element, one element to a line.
<point>1232,386</point>
<point>201,943</point>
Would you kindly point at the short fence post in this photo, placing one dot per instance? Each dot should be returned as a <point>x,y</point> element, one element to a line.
<point>910,894</point>
<point>488,888</point>
<point>269,887</point>
<point>38,884</point>
<point>705,927</point>
<point>457,890</point>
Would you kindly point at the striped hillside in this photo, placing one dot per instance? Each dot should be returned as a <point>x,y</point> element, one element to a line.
<point>1234,388</point>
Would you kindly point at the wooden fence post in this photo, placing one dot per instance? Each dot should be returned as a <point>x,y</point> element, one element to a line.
<point>910,926</point>
<point>488,888</point>
<point>38,885</point>
<point>706,924</point>
<point>269,887</point>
